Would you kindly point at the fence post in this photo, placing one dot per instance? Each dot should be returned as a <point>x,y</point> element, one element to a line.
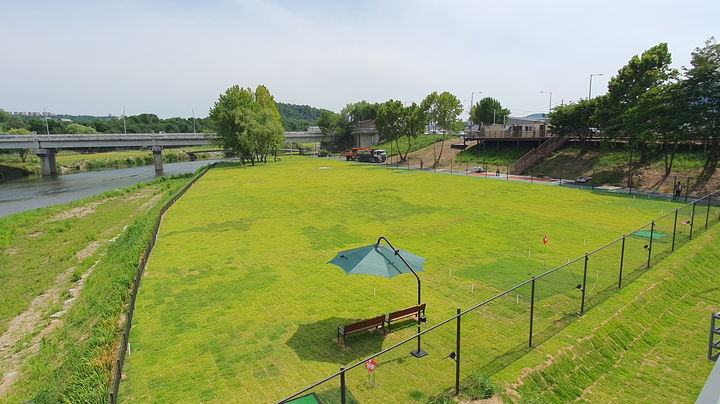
<point>561,175</point>
<point>687,188</point>
<point>692,220</point>
<point>342,385</point>
<point>582,304</point>
<point>622,259</point>
<point>457,356</point>
<point>652,233</point>
<point>707,215</point>
<point>532,310</point>
<point>672,249</point>
<point>466,167</point>
<point>507,173</point>
<point>451,166</point>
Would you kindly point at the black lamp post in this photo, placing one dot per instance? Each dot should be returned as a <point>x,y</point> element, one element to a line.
<point>419,352</point>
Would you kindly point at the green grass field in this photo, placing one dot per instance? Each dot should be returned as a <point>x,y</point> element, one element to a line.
<point>239,305</point>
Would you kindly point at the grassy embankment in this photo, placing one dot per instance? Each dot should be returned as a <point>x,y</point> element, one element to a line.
<point>493,155</point>
<point>647,344</point>
<point>78,258</point>
<point>71,161</point>
<point>418,143</point>
<point>610,166</point>
<point>238,303</point>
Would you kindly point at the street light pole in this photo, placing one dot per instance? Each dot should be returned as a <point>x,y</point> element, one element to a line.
<point>471,105</point>
<point>550,104</point>
<point>590,89</point>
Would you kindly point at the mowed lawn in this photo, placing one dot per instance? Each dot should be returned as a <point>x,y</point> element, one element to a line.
<point>238,303</point>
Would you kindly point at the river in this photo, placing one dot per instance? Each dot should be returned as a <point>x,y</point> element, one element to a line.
<point>37,192</point>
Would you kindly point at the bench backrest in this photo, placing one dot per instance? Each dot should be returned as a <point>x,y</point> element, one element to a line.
<point>410,311</point>
<point>365,324</point>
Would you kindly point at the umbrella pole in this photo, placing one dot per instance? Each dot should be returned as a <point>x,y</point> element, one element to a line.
<point>419,352</point>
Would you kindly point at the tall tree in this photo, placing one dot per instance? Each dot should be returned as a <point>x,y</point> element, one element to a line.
<point>442,111</point>
<point>488,110</point>
<point>360,111</point>
<point>642,73</point>
<point>395,121</point>
<point>247,123</point>
<point>336,126</point>
<point>575,119</point>
<point>702,87</point>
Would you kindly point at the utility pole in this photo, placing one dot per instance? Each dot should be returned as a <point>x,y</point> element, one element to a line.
<point>590,89</point>
<point>550,104</point>
<point>124,125</point>
<point>47,128</point>
<point>193,114</point>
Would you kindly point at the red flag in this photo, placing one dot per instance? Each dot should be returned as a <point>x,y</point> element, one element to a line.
<point>546,240</point>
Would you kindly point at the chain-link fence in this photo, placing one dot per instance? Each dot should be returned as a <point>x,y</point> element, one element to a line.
<point>531,312</point>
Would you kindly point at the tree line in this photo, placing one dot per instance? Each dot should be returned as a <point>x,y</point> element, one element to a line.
<point>394,120</point>
<point>653,107</point>
<point>294,118</point>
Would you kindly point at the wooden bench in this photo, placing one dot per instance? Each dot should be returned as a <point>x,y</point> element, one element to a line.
<point>413,312</point>
<point>369,324</point>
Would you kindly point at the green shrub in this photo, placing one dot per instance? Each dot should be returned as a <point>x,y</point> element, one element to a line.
<point>481,388</point>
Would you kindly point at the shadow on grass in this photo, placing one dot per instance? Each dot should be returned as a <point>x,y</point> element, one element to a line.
<point>317,342</point>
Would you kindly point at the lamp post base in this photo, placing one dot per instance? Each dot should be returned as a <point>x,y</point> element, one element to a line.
<point>418,353</point>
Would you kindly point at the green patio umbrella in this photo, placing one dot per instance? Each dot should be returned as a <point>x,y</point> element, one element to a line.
<point>386,261</point>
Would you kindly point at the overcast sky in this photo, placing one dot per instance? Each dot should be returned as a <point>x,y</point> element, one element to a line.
<point>171,56</point>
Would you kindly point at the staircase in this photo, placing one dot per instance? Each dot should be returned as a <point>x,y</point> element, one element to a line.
<point>537,154</point>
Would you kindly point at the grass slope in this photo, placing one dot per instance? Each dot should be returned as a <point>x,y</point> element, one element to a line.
<point>610,166</point>
<point>418,143</point>
<point>647,344</point>
<point>74,356</point>
<point>238,303</point>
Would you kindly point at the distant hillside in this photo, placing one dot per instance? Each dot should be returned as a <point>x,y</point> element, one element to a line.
<point>298,117</point>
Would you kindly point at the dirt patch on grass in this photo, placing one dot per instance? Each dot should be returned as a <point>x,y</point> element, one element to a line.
<point>428,154</point>
<point>89,250</point>
<point>77,212</point>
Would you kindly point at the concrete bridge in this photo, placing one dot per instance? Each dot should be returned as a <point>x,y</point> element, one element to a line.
<point>47,146</point>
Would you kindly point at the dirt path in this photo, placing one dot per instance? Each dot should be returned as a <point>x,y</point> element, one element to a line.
<point>427,154</point>
<point>26,330</point>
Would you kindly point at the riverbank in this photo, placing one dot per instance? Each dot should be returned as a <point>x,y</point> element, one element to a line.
<point>71,162</point>
<point>35,192</point>
<point>66,272</point>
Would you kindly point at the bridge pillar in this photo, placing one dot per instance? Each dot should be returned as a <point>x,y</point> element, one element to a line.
<point>157,158</point>
<point>47,161</point>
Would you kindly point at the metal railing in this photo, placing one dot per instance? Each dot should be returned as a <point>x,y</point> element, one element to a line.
<point>684,223</point>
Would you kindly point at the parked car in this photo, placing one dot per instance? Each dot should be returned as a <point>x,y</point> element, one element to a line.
<point>583,179</point>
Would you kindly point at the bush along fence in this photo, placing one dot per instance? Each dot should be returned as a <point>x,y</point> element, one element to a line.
<point>123,349</point>
<point>500,329</point>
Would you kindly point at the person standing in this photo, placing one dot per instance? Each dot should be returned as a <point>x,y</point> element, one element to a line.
<point>678,190</point>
